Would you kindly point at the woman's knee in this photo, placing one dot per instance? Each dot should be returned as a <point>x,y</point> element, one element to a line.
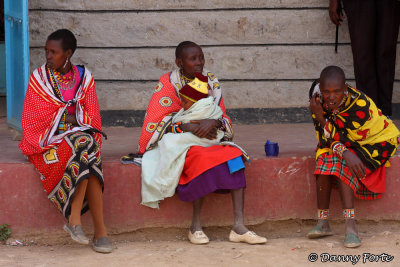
<point>82,185</point>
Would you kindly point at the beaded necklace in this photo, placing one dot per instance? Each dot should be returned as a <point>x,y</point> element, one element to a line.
<point>184,79</point>
<point>59,95</point>
<point>54,83</point>
<point>64,82</point>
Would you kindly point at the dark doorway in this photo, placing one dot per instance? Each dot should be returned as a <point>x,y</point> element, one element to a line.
<point>2,64</point>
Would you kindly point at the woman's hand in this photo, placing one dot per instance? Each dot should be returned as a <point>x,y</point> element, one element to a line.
<point>202,129</point>
<point>317,110</point>
<point>189,127</point>
<point>71,119</point>
<point>207,128</point>
<point>356,166</point>
<point>335,16</point>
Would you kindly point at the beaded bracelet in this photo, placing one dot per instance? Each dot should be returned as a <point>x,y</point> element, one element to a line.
<point>64,126</point>
<point>323,214</point>
<point>348,213</point>
<point>339,149</point>
<point>176,127</point>
<point>334,143</point>
<point>223,126</point>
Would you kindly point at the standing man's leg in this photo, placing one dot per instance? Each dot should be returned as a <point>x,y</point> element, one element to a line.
<point>361,16</point>
<point>387,23</point>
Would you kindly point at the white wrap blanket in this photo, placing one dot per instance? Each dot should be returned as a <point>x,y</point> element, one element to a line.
<point>163,165</point>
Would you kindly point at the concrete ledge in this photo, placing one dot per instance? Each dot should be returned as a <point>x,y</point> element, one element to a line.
<point>158,28</point>
<point>160,5</point>
<point>277,189</point>
<point>254,116</point>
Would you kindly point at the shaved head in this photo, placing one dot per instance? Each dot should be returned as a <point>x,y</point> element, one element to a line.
<point>332,86</point>
<point>182,47</point>
<point>332,73</point>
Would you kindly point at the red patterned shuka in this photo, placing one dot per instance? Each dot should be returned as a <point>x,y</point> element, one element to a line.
<point>164,103</point>
<point>63,160</point>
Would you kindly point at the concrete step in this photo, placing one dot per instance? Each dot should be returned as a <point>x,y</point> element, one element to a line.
<point>277,188</point>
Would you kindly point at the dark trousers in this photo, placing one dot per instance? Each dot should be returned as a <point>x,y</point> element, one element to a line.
<point>374,28</point>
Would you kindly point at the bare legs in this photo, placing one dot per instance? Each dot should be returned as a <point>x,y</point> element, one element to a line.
<point>196,224</point>
<point>347,196</point>
<point>91,188</point>
<point>324,188</point>
<point>94,195</point>
<point>77,202</point>
<point>238,207</point>
<point>238,203</point>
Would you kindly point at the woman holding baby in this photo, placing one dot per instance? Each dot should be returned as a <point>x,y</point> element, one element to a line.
<point>205,168</point>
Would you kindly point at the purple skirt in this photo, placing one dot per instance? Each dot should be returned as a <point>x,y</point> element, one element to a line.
<point>217,180</point>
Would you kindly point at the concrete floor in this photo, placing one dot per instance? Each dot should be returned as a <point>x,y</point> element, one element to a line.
<point>294,140</point>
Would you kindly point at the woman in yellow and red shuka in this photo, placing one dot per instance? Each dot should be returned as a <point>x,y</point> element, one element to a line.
<point>355,142</point>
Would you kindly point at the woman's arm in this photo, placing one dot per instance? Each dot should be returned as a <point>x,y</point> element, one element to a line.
<point>206,128</point>
<point>202,128</point>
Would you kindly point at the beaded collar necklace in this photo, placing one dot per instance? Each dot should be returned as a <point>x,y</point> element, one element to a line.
<point>54,83</point>
<point>63,82</point>
<point>184,79</point>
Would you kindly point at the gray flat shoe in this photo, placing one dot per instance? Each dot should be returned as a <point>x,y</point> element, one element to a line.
<point>318,232</point>
<point>76,233</point>
<point>102,245</point>
<point>352,241</point>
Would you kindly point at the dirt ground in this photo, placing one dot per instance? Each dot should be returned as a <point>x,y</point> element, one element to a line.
<point>286,246</point>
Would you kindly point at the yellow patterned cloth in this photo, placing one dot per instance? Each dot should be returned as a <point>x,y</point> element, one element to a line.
<point>361,127</point>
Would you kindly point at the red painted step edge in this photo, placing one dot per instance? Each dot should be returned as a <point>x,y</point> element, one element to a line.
<point>277,189</point>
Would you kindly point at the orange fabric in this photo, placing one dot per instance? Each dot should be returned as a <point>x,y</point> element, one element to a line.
<point>200,159</point>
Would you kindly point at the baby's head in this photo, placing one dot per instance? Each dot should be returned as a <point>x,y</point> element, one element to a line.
<point>194,91</point>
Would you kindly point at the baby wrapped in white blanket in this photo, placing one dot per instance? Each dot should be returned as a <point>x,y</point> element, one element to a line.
<point>163,165</point>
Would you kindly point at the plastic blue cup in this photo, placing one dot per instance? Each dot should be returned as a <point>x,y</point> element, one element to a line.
<point>271,149</point>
